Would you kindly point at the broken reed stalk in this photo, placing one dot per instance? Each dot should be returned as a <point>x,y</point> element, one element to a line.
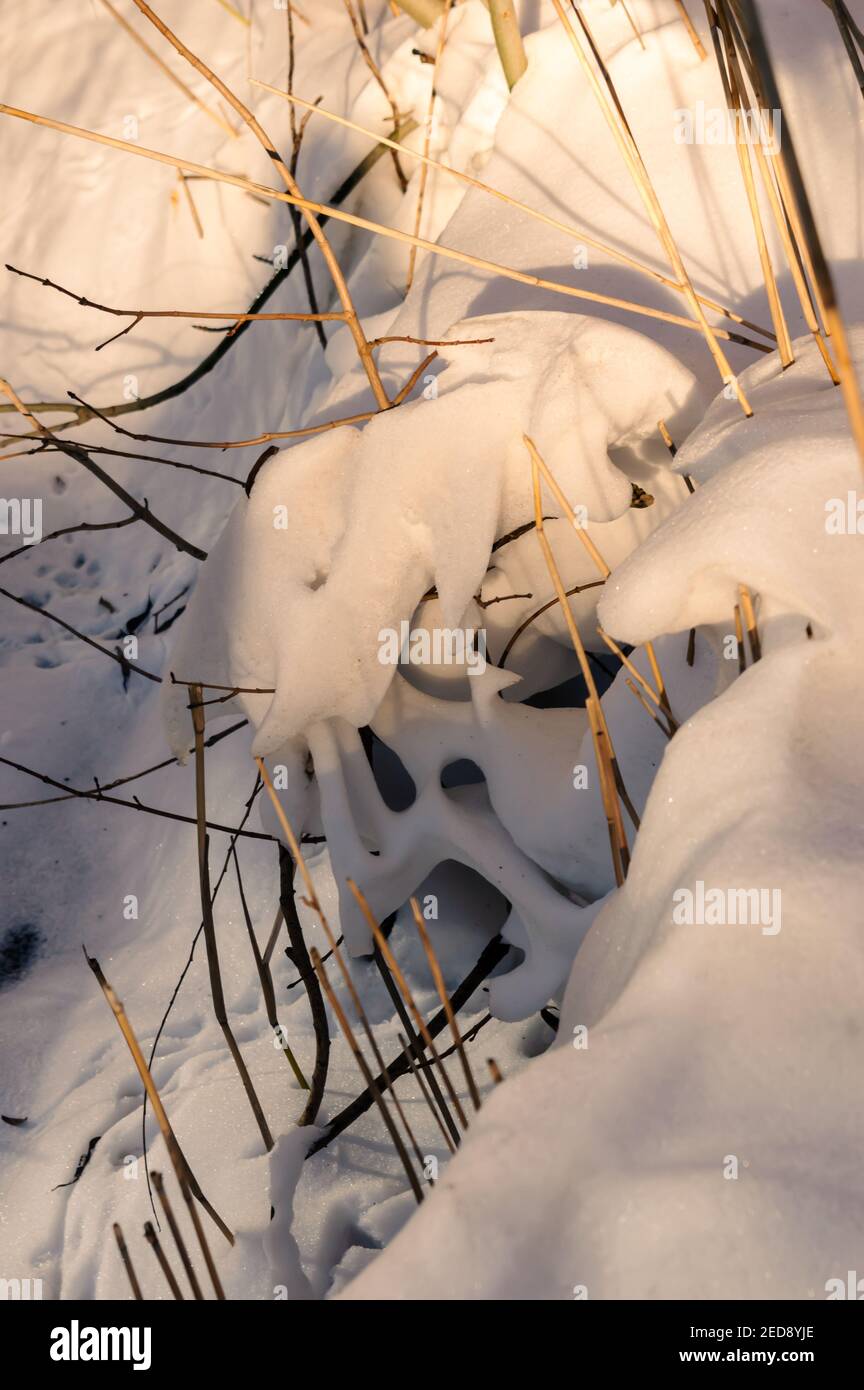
<point>637,675</point>
<point>127,1261</point>
<point>393,233</point>
<point>155,1246</point>
<point>341,286</point>
<point>596,719</point>
<point>393,965</point>
<point>172,77</point>
<point>321,971</point>
<point>750,619</point>
<point>729,76</point>
<point>645,705</point>
<point>739,638</point>
<point>427,138</point>
<point>691,29</point>
<point>379,79</point>
<point>438,977</point>
<point>617,123</point>
<point>177,1234</point>
<point>184,1173</point>
<point>196,697</point>
<point>190,203</point>
<point>417,1072</point>
<point>265,978</point>
<point>592,550</point>
<point>569,229</point>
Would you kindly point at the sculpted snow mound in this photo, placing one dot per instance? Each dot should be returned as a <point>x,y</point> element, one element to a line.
<point>696,1125</point>
<point>343,534</point>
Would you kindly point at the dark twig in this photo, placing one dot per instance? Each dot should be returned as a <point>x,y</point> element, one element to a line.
<point>80,455</point>
<point>298,954</point>
<point>216,990</point>
<point>70,530</point>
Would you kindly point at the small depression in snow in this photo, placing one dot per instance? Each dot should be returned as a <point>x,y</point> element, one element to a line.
<point>19,947</point>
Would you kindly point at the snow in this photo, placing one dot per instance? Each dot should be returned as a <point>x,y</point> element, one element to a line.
<point>595,1169</point>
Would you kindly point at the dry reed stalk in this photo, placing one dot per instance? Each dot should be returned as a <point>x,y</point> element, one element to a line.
<point>127,1261</point>
<point>196,697</point>
<point>508,39</point>
<point>592,550</point>
<point>379,79</point>
<point>265,978</point>
<point>337,215</point>
<point>417,1072</point>
<point>645,705</point>
<point>810,241</point>
<point>234,12</point>
<point>427,137</point>
<point>750,619</point>
<point>393,965</point>
<point>739,638</point>
<point>571,231</point>
<point>631,21</point>
<point>184,1173</point>
<point>172,77</point>
<point>777,185</point>
<point>841,17</point>
<point>602,749</point>
<point>730,78</point>
<point>691,28</point>
<point>155,1246</point>
<point>667,438</point>
<point>190,203</point>
<point>177,1234</point>
<point>353,322</point>
<point>494,1070</point>
<point>437,976</point>
<point>202,1240</point>
<point>622,134</point>
<point>321,971</point>
<point>637,675</point>
<point>365,1024</point>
